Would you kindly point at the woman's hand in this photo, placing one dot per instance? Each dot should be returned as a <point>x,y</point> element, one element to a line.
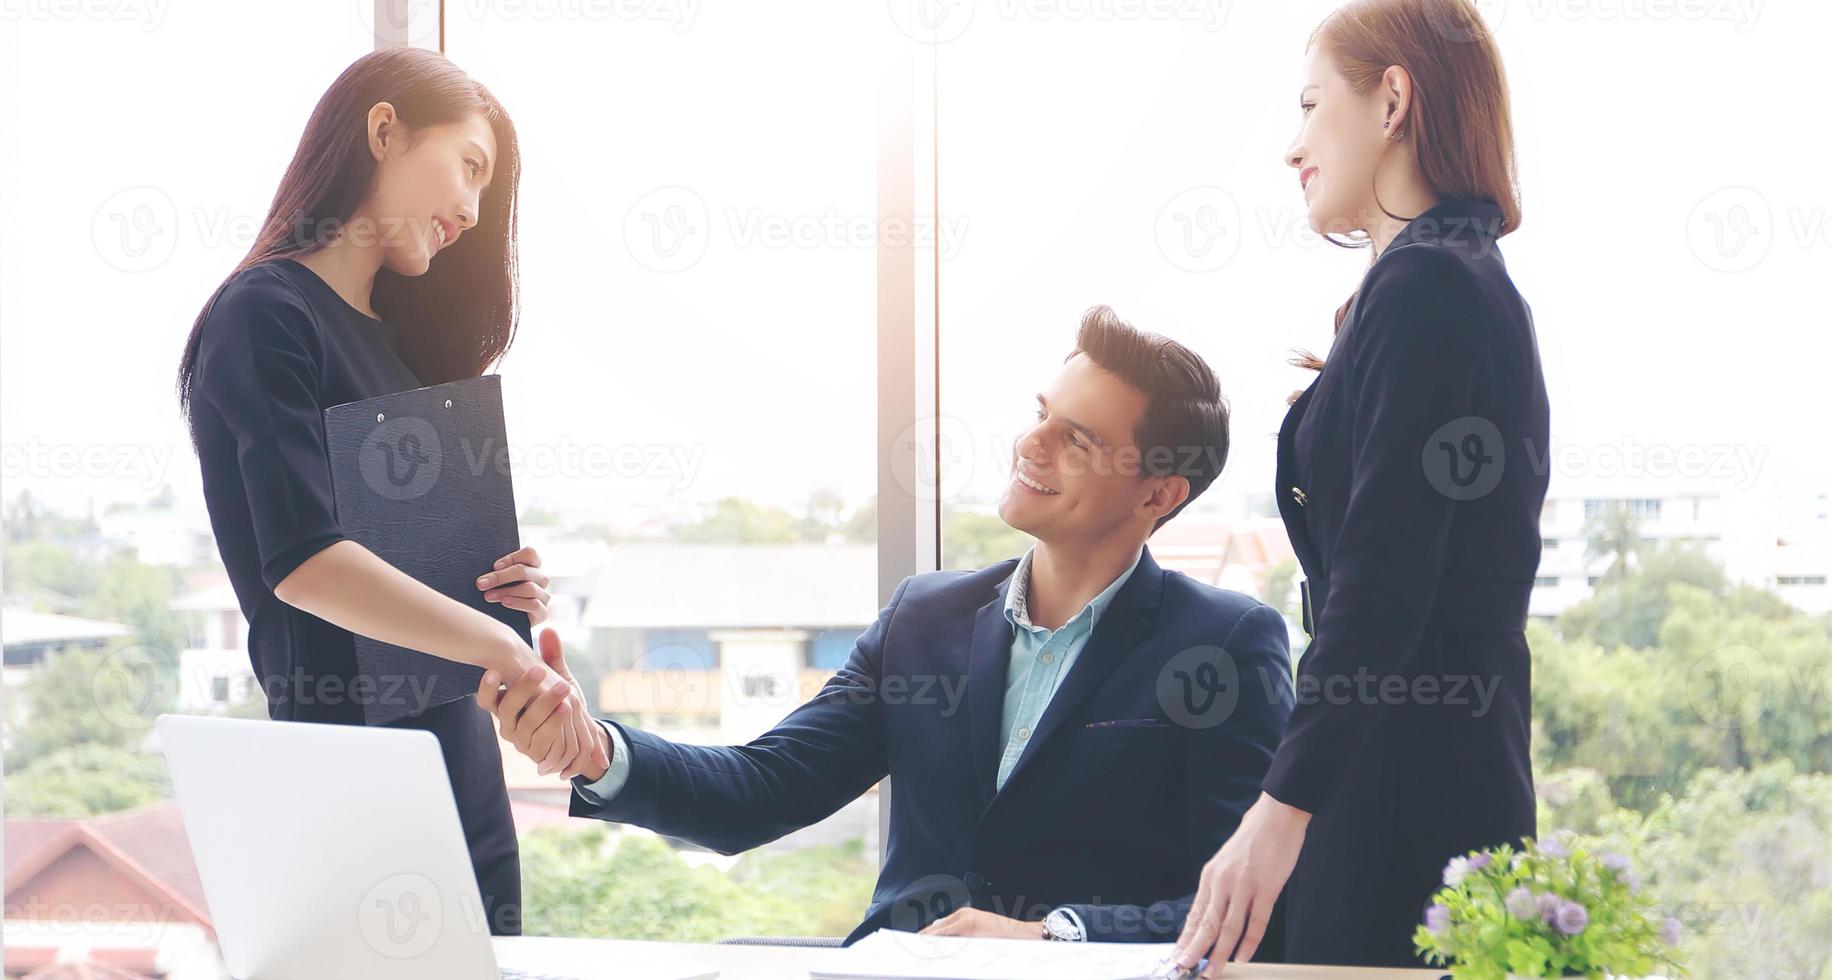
<point>1239,885</point>
<point>518,582</point>
<point>544,715</point>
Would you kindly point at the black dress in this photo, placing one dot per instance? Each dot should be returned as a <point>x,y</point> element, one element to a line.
<point>1410,479</point>
<point>278,348</point>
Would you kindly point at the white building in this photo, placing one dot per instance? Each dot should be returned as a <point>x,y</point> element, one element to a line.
<point>27,634</point>
<point>1770,536</point>
<point>213,674</point>
<point>160,535</point>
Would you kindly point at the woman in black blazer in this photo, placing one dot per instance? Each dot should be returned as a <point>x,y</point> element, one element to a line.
<point>1408,482</point>
<point>387,262</point>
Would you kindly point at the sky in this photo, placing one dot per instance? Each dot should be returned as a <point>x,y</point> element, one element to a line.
<point>698,225</point>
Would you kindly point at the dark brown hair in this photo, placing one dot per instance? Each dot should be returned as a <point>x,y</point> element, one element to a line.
<point>1460,126</point>
<point>460,316</point>
<point>1185,428</point>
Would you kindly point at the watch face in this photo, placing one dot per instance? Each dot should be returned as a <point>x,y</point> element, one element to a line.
<point>1060,925</point>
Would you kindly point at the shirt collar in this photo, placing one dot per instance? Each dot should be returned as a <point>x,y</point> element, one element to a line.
<point>1466,222</point>
<point>1017,597</point>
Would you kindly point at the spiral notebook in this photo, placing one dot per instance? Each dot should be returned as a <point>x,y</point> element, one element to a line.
<point>422,479</point>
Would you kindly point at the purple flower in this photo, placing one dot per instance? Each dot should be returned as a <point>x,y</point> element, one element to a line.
<point>1437,920</point>
<point>1669,932</point>
<point>1478,861</point>
<point>1520,904</point>
<point>1552,848</point>
<point>1456,871</point>
<point>1619,866</point>
<point>1571,918</point>
<point>1548,906</point>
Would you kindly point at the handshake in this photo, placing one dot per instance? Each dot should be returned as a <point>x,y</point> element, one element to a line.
<point>543,714</point>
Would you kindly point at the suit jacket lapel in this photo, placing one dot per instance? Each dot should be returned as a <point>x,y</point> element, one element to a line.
<point>989,658</point>
<point>1127,621</point>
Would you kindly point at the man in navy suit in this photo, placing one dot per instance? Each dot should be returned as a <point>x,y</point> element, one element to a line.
<point>1069,735</point>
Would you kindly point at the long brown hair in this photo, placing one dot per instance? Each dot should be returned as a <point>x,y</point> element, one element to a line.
<point>1460,126</point>
<point>460,316</point>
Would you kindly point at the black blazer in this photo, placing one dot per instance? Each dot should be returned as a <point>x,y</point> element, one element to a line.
<point>1410,478</point>
<point>1123,792</point>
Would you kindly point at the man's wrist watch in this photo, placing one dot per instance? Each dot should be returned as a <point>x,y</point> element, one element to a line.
<point>1063,925</point>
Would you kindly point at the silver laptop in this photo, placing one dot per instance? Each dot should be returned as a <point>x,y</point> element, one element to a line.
<point>328,850</point>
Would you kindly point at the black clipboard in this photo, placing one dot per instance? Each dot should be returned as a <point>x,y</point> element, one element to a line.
<point>422,479</point>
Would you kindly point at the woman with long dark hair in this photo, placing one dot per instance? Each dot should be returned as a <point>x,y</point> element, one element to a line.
<point>1407,485</point>
<point>387,262</point>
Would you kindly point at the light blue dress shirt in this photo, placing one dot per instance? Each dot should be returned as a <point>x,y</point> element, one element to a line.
<point>1040,659</point>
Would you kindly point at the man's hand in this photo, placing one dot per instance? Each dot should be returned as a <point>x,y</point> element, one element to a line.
<point>975,922</point>
<point>543,715</point>
<point>1239,885</point>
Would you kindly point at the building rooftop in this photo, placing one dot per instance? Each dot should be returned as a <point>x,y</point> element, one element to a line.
<point>23,627</point>
<point>659,586</point>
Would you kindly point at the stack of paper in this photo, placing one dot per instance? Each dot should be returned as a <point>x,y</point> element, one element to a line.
<point>893,955</point>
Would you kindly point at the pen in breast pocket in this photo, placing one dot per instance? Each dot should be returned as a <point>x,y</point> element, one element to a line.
<point>1126,723</point>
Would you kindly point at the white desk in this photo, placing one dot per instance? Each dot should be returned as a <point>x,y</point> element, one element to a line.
<point>591,959</point>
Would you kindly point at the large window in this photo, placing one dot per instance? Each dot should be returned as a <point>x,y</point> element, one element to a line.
<point>1671,251</point>
<point>699,245</point>
<point>792,274</point>
<point>144,142</point>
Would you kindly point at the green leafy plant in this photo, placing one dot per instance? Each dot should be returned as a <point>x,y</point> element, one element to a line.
<point>1551,909</point>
